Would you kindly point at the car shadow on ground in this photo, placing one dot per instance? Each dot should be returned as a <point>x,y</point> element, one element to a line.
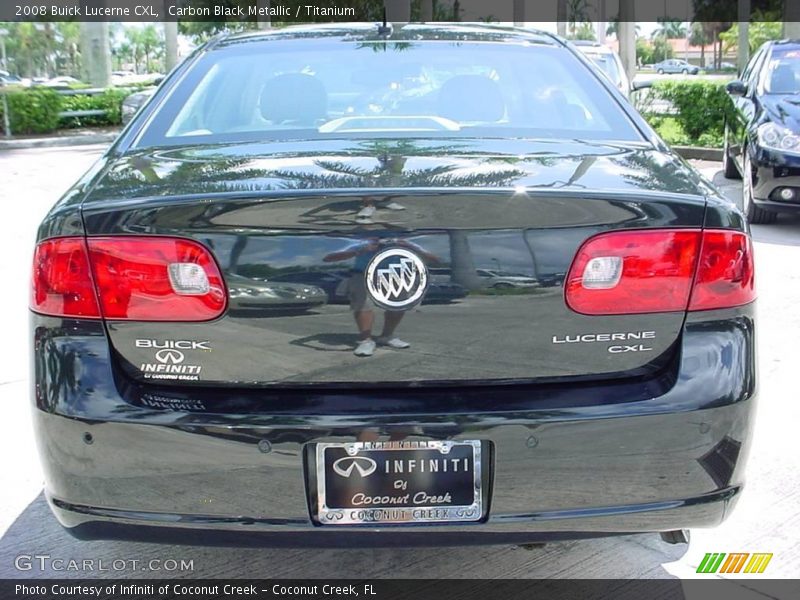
<point>784,232</point>
<point>36,532</point>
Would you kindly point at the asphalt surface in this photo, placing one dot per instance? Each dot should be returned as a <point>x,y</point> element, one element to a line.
<point>767,518</point>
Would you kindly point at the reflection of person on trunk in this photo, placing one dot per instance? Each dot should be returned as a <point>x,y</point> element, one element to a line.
<point>360,302</point>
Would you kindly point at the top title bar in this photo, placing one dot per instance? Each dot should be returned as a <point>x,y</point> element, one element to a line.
<point>306,11</point>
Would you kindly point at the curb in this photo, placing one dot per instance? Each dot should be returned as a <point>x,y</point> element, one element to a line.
<point>698,153</point>
<point>51,142</point>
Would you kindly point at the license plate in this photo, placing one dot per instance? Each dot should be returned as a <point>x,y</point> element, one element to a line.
<point>398,482</point>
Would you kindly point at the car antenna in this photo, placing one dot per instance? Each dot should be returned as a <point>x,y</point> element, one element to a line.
<point>385,28</point>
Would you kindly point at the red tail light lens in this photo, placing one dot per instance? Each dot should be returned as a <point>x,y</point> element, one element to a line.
<point>725,273</point>
<point>62,280</point>
<point>629,272</point>
<point>141,278</point>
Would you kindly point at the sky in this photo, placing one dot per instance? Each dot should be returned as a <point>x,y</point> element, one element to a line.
<point>645,28</point>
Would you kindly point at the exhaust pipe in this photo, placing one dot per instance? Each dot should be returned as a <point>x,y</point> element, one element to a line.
<point>677,536</point>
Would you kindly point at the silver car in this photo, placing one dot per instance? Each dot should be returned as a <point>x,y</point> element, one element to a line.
<point>676,65</point>
<point>504,280</point>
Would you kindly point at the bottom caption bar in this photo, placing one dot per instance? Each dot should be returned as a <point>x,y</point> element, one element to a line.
<point>400,589</point>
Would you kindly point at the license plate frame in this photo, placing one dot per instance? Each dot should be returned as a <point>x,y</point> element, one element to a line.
<point>405,513</point>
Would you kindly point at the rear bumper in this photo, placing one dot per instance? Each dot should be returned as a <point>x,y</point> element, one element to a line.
<point>669,456</point>
<point>93,523</point>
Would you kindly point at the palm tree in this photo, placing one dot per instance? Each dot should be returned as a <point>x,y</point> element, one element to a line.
<point>124,54</point>
<point>131,47</point>
<point>578,15</point>
<point>670,29</point>
<point>699,37</point>
<point>713,30</point>
<point>151,44</point>
<point>146,43</point>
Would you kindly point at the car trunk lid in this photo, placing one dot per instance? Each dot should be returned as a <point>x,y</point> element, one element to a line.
<point>497,226</point>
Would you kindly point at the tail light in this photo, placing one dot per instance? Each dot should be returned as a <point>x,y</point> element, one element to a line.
<point>62,280</point>
<point>664,270</point>
<point>725,272</point>
<point>127,278</point>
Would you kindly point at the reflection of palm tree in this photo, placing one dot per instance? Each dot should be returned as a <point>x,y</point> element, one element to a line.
<point>214,174</point>
<point>644,171</point>
<point>390,172</point>
<point>206,175</point>
<point>385,46</point>
<point>218,173</point>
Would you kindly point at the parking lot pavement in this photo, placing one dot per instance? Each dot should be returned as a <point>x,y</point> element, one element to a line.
<point>766,520</point>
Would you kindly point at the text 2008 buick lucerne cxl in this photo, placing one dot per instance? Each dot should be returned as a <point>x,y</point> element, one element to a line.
<point>183,391</point>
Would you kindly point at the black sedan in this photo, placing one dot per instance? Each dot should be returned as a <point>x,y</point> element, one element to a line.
<point>617,399</point>
<point>762,141</point>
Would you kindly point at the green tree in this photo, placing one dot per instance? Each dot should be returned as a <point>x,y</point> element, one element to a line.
<point>151,44</point>
<point>661,49</point>
<point>760,31</point>
<point>670,29</point>
<point>644,52</point>
<point>713,30</point>
<point>44,49</point>
<point>699,37</point>
<point>578,18</point>
<point>143,44</point>
<point>27,48</point>
<point>131,48</point>
<point>124,53</point>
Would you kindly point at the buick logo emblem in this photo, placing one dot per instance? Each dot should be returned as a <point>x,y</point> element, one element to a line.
<point>396,279</point>
<point>346,465</point>
<point>169,356</point>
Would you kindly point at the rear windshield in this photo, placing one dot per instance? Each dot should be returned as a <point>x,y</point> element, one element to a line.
<point>321,89</point>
